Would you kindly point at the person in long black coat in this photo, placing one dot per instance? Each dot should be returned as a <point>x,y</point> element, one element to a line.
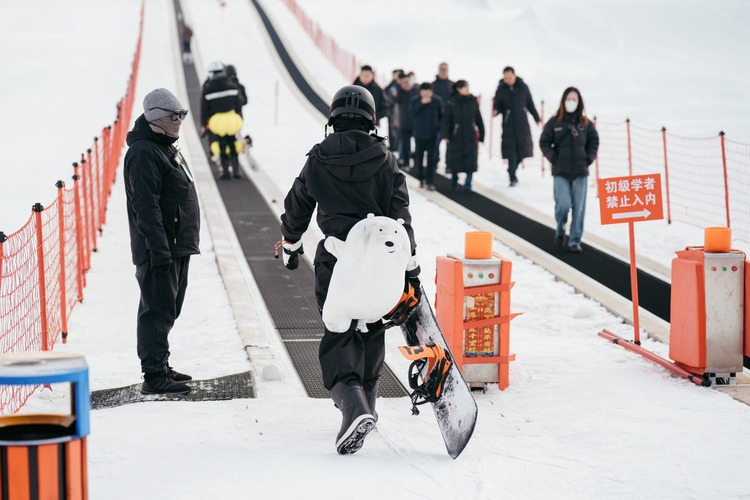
<point>406,92</point>
<point>570,142</point>
<point>512,101</point>
<point>463,130</point>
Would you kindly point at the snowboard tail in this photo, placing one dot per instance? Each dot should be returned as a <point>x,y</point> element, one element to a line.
<point>455,410</point>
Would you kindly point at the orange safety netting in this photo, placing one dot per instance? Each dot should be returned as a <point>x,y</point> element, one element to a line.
<point>43,264</point>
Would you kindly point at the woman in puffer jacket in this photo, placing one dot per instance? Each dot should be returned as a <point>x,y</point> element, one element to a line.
<point>570,142</point>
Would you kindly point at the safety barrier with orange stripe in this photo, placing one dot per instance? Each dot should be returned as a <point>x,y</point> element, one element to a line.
<point>43,264</point>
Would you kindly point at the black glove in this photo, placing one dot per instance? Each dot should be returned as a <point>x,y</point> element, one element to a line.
<point>290,253</point>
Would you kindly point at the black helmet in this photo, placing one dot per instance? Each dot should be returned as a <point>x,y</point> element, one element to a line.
<point>352,100</point>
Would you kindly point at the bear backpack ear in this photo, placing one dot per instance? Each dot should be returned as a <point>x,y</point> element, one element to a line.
<point>335,246</point>
<point>370,216</point>
<point>400,221</point>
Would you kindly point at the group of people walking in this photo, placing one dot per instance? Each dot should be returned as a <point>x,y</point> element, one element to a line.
<point>444,110</point>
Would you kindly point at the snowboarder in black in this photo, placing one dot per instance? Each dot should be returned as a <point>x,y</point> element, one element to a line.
<point>164,221</point>
<point>221,108</point>
<point>349,175</point>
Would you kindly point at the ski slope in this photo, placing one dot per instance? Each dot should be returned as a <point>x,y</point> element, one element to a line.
<point>581,418</point>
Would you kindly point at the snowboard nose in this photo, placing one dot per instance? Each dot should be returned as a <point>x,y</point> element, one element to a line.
<point>389,243</point>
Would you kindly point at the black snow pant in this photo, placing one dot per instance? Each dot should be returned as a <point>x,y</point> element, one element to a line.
<point>162,295</point>
<point>422,146</point>
<point>352,356</point>
<point>227,141</point>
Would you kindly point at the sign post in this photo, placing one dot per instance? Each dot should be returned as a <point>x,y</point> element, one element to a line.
<point>631,199</point>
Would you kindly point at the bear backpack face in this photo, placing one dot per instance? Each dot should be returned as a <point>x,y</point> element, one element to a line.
<point>381,238</point>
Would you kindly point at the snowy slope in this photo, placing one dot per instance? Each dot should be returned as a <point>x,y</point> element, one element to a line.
<point>581,419</point>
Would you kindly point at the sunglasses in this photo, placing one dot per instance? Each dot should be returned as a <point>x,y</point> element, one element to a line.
<point>176,114</point>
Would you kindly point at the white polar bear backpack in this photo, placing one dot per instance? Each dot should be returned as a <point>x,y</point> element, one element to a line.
<point>368,278</point>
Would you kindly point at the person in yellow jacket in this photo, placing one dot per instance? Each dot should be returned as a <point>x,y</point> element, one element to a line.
<point>221,105</point>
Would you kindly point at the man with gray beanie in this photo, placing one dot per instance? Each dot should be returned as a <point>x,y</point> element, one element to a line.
<point>164,221</point>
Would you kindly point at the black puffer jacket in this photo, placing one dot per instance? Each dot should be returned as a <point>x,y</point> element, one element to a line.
<point>512,103</point>
<point>348,175</point>
<point>427,117</point>
<point>443,88</point>
<point>570,146</point>
<point>163,212</point>
<point>464,129</point>
<point>404,101</point>
<point>220,95</point>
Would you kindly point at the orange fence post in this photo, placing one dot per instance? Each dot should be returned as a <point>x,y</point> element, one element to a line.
<point>90,194</point>
<point>666,174</point>
<point>634,285</point>
<point>630,152</point>
<point>63,286</point>
<point>37,209</point>
<point>85,219</point>
<point>80,278</point>
<point>100,187</point>
<point>726,178</point>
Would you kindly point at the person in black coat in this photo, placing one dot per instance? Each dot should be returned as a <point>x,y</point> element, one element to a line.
<point>164,223</point>
<point>406,92</point>
<point>347,176</point>
<point>427,111</point>
<point>463,130</point>
<point>512,101</point>
<point>221,115</point>
<point>366,79</point>
<point>443,86</point>
<point>390,99</point>
<point>570,142</point>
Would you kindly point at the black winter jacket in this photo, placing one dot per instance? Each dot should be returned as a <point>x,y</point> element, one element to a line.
<point>570,146</point>
<point>163,212</point>
<point>219,96</point>
<point>464,129</point>
<point>426,117</point>
<point>443,88</point>
<point>512,103</point>
<point>377,96</point>
<point>348,175</point>
<point>404,101</point>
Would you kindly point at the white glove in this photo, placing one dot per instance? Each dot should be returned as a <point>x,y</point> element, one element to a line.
<point>290,253</point>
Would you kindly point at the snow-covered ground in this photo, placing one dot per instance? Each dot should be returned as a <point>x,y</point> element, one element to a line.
<point>581,418</point>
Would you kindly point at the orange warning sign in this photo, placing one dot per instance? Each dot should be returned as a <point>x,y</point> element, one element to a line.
<point>630,199</point>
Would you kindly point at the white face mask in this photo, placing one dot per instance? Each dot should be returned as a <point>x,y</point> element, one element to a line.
<point>571,106</point>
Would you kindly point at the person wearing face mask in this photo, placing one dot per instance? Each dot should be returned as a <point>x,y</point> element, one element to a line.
<point>164,223</point>
<point>570,142</point>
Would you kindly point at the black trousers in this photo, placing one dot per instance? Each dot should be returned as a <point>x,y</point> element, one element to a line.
<point>352,356</point>
<point>162,295</point>
<point>422,146</point>
<point>227,141</point>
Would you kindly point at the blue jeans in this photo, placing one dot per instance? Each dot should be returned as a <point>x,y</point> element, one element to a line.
<point>570,194</point>
<point>467,183</point>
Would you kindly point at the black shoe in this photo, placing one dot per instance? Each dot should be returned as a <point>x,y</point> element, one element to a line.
<point>357,421</point>
<point>561,240</point>
<point>180,378</point>
<point>225,174</point>
<point>513,183</point>
<point>237,175</point>
<point>430,187</point>
<point>421,184</point>
<point>575,249</point>
<point>162,384</point>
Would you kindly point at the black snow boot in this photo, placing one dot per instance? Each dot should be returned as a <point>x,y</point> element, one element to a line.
<point>236,167</point>
<point>180,378</point>
<point>161,383</point>
<point>357,421</point>
<point>371,393</point>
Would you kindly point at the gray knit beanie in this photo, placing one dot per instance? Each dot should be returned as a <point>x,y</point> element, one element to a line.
<point>160,98</point>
